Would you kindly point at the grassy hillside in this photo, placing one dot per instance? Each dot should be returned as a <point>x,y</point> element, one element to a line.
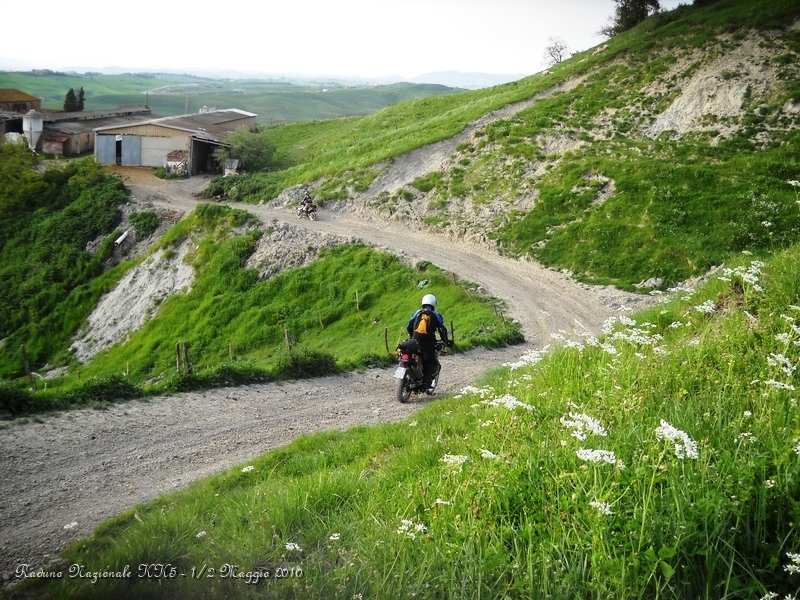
<point>659,461</point>
<point>274,101</point>
<point>666,152</point>
<point>340,312</point>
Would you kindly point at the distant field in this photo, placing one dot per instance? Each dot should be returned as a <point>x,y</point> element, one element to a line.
<point>274,101</point>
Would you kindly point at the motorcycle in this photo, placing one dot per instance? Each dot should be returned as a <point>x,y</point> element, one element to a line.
<point>311,213</point>
<point>408,373</point>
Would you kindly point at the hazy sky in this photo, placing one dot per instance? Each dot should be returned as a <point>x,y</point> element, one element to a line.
<point>367,38</point>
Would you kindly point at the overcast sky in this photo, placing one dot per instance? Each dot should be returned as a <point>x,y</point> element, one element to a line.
<point>363,38</point>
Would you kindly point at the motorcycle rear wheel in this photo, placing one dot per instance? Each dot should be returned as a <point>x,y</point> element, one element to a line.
<point>401,390</point>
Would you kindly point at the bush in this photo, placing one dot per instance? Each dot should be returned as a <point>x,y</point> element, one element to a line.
<point>104,389</point>
<point>302,363</point>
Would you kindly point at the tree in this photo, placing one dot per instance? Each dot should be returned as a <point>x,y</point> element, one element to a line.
<point>252,148</point>
<point>80,99</point>
<point>70,101</point>
<point>555,51</point>
<point>628,14</point>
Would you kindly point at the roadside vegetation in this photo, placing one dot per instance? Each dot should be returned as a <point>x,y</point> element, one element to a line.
<point>659,461</point>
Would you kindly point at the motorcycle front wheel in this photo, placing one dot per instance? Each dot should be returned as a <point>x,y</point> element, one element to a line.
<point>312,215</point>
<point>401,390</point>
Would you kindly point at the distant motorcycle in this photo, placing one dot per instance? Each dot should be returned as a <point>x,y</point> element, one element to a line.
<point>409,372</point>
<point>307,210</point>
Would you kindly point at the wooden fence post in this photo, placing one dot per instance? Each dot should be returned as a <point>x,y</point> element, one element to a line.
<point>357,308</point>
<point>178,357</point>
<point>230,351</point>
<point>288,337</point>
<point>186,360</point>
<point>28,367</point>
<point>453,334</point>
<point>386,338</point>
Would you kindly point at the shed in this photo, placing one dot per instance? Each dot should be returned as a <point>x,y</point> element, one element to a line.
<point>17,101</point>
<point>149,143</point>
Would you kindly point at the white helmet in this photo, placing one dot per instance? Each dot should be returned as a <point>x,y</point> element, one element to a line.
<point>429,299</point>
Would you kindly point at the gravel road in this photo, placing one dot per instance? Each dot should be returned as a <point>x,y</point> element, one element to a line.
<point>63,475</point>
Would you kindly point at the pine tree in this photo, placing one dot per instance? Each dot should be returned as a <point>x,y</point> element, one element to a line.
<point>80,99</point>
<point>70,102</point>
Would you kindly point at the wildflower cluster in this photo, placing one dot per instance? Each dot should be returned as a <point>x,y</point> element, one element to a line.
<point>597,456</point>
<point>508,401</point>
<point>410,529</point>
<point>455,460</point>
<point>603,507</point>
<point>582,425</point>
<point>749,275</point>
<point>684,445</point>
<point>632,333</point>
<point>529,358</point>
<point>794,566</point>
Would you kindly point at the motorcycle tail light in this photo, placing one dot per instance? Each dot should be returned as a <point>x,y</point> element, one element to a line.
<point>406,357</point>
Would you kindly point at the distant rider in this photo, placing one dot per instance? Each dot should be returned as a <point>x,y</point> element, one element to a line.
<point>423,326</point>
<point>307,203</point>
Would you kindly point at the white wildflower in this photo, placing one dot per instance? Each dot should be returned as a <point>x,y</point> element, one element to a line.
<point>603,507</point>
<point>769,484</point>
<point>582,425</point>
<point>454,460</point>
<point>597,456</point>
<point>706,307</point>
<point>408,528</point>
<point>747,413</point>
<point>746,437</point>
<point>293,547</point>
<point>334,537</point>
<point>200,534</point>
<point>530,357</point>
<point>684,445</point>
<point>441,502</point>
<point>487,454</point>
<point>248,468</point>
<point>413,424</point>
<point>508,401</point>
<point>780,361</point>
<point>780,385</point>
<point>71,525</point>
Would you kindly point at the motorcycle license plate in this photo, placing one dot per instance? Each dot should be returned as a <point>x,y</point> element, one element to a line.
<point>400,372</point>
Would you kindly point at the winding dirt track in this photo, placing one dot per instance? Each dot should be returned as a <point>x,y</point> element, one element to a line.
<point>63,475</point>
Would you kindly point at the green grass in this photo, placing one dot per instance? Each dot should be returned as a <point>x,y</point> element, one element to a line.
<point>489,494</point>
<point>274,101</point>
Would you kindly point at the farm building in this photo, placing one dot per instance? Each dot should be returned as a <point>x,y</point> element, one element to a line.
<point>153,142</point>
<point>71,133</point>
<point>18,102</point>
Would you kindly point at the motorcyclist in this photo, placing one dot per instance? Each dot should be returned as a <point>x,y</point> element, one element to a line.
<point>422,326</point>
<point>307,203</point>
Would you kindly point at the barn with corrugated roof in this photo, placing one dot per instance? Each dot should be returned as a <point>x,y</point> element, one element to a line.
<point>150,143</point>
